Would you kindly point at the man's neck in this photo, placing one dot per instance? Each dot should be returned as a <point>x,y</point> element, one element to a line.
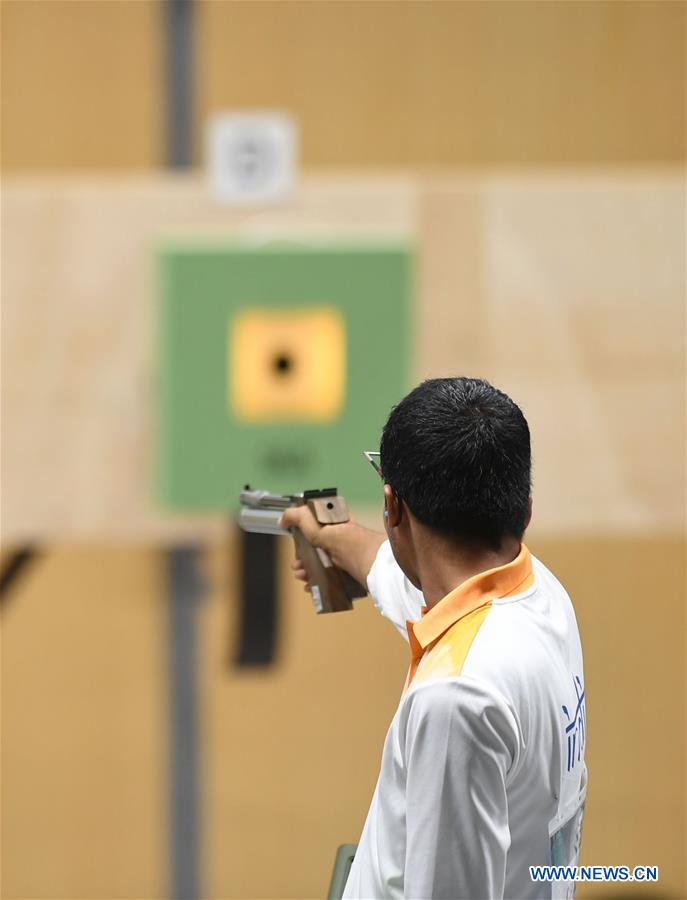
<point>443,566</point>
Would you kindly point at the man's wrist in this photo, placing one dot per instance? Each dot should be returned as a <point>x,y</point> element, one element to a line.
<point>352,547</point>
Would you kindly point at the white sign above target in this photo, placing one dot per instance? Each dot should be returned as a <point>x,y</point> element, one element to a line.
<point>252,157</point>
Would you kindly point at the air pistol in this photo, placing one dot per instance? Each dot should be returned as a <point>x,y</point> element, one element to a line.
<point>332,589</point>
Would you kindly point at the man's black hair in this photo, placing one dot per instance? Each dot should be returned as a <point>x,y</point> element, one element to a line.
<point>457,451</point>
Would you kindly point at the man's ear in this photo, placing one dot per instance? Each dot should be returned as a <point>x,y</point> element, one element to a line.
<point>529,513</point>
<point>392,507</point>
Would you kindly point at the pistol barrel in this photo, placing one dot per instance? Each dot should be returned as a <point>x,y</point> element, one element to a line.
<point>261,521</point>
<point>265,500</point>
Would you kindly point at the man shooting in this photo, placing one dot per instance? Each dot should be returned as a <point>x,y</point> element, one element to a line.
<point>482,772</point>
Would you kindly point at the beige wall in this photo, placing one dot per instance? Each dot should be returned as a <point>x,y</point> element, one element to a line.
<point>371,84</point>
<point>454,83</point>
<point>81,84</point>
<point>84,724</point>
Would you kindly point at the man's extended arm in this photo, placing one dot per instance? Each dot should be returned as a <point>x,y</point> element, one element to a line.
<point>367,556</point>
<point>352,547</point>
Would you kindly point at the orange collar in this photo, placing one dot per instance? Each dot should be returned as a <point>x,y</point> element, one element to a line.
<point>468,596</point>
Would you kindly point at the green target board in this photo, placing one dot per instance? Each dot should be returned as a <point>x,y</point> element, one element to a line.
<point>278,365</point>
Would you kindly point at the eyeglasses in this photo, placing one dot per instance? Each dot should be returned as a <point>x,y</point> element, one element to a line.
<point>373,457</point>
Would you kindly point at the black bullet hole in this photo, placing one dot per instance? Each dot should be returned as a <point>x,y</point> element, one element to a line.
<point>282,364</point>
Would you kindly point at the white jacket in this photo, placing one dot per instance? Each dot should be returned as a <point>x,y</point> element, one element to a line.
<point>483,771</point>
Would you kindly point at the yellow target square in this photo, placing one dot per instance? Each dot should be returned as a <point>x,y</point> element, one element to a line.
<point>287,365</point>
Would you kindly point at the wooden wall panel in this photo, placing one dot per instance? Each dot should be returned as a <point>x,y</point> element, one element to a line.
<point>570,294</point>
<point>434,83</point>
<point>629,598</point>
<point>371,84</point>
<point>84,727</point>
<point>82,84</point>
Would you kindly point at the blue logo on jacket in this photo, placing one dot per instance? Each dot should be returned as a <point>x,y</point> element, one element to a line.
<point>576,727</point>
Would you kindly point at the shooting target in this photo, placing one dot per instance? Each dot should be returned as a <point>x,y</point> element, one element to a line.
<point>278,365</point>
<point>287,365</point>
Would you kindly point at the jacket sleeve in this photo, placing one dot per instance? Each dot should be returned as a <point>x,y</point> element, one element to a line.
<point>460,743</point>
<point>392,593</point>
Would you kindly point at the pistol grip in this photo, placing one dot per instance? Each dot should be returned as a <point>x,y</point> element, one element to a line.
<point>326,585</point>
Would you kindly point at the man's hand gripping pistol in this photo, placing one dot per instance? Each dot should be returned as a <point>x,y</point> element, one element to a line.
<point>332,589</point>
